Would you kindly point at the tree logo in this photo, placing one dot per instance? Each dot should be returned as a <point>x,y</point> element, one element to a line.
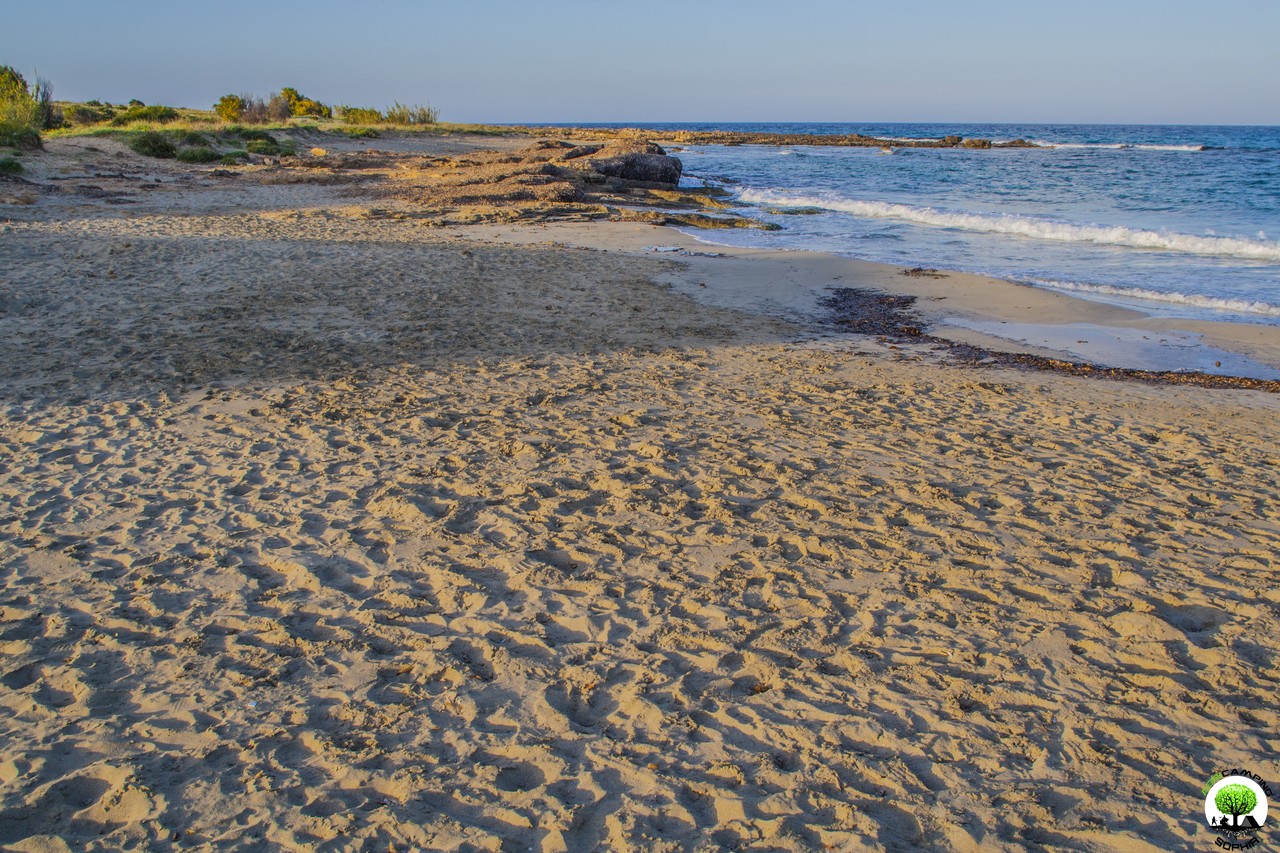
<point>1235,805</point>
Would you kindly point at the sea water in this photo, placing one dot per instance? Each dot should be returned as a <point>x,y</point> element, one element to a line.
<point>1173,220</point>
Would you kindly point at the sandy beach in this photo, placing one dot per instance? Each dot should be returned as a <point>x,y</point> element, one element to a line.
<point>327,527</point>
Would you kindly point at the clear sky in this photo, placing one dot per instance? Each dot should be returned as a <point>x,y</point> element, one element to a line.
<point>1121,61</point>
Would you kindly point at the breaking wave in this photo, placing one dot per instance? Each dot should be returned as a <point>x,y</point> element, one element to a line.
<point>1117,146</point>
<point>1027,226</point>
<point>1237,306</point>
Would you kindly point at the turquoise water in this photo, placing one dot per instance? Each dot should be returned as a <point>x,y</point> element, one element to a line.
<point>1176,221</point>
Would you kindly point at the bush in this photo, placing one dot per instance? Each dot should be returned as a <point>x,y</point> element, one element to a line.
<point>10,166</point>
<point>134,102</point>
<point>229,107</point>
<point>361,133</point>
<point>153,144</point>
<point>261,135</point>
<point>21,138</point>
<point>279,109</point>
<point>85,114</point>
<point>199,154</point>
<point>254,112</point>
<point>301,105</point>
<point>401,114</point>
<point>361,115</point>
<point>192,137</point>
<point>157,114</point>
<point>234,158</point>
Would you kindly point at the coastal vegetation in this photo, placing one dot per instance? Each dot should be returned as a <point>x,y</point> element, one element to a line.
<point>25,109</point>
<point>153,144</point>
<point>141,112</point>
<point>397,114</point>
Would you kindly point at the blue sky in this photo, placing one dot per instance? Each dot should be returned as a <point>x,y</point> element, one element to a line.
<point>1125,61</point>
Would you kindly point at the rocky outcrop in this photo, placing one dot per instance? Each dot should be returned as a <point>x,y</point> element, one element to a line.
<point>730,137</point>
<point>643,162</point>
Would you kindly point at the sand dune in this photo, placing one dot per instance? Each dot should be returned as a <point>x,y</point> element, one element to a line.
<point>329,532</point>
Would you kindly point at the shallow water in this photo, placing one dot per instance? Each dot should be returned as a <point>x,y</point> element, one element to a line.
<point>1175,221</point>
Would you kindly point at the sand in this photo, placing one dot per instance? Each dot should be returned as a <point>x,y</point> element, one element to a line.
<point>327,531</point>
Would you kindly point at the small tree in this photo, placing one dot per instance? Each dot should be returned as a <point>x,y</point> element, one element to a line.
<point>230,107</point>
<point>1235,800</point>
<point>279,108</point>
<point>255,110</point>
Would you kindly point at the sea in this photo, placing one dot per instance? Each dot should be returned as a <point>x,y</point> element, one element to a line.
<point>1180,221</point>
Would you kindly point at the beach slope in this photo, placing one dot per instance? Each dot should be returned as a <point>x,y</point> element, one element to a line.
<point>324,530</point>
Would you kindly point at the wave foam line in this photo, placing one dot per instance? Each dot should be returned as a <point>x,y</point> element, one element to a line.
<point>1025,226</point>
<point>1116,146</point>
<point>1238,306</point>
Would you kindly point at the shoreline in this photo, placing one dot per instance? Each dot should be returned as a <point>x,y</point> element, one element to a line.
<point>977,313</point>
<point>964,308</point>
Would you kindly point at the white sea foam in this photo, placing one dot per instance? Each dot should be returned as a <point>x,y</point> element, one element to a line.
<point>1169,147</point>
<point>1026,226</point>
<point>1046,143</point>
<point>1238,306</point>
<point>1114,146</point>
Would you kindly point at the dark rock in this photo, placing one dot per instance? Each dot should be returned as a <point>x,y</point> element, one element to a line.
<point>636,161</point>
<point>580,151</point>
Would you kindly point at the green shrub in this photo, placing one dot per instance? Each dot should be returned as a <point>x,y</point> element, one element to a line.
<point>360,133</point>
<point>157,114</point>
<point>21,138</point>
<point>134,102</point>
<point>153,144</point>
<point>361,115</point>
<point>10,166</point>
<point>399,113</point>
<point>198,154</point>
<point>259,135</point>
<point>262,146</point>
<point>83,114</point>
<point>234,158</point>
<point>192,137</point>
